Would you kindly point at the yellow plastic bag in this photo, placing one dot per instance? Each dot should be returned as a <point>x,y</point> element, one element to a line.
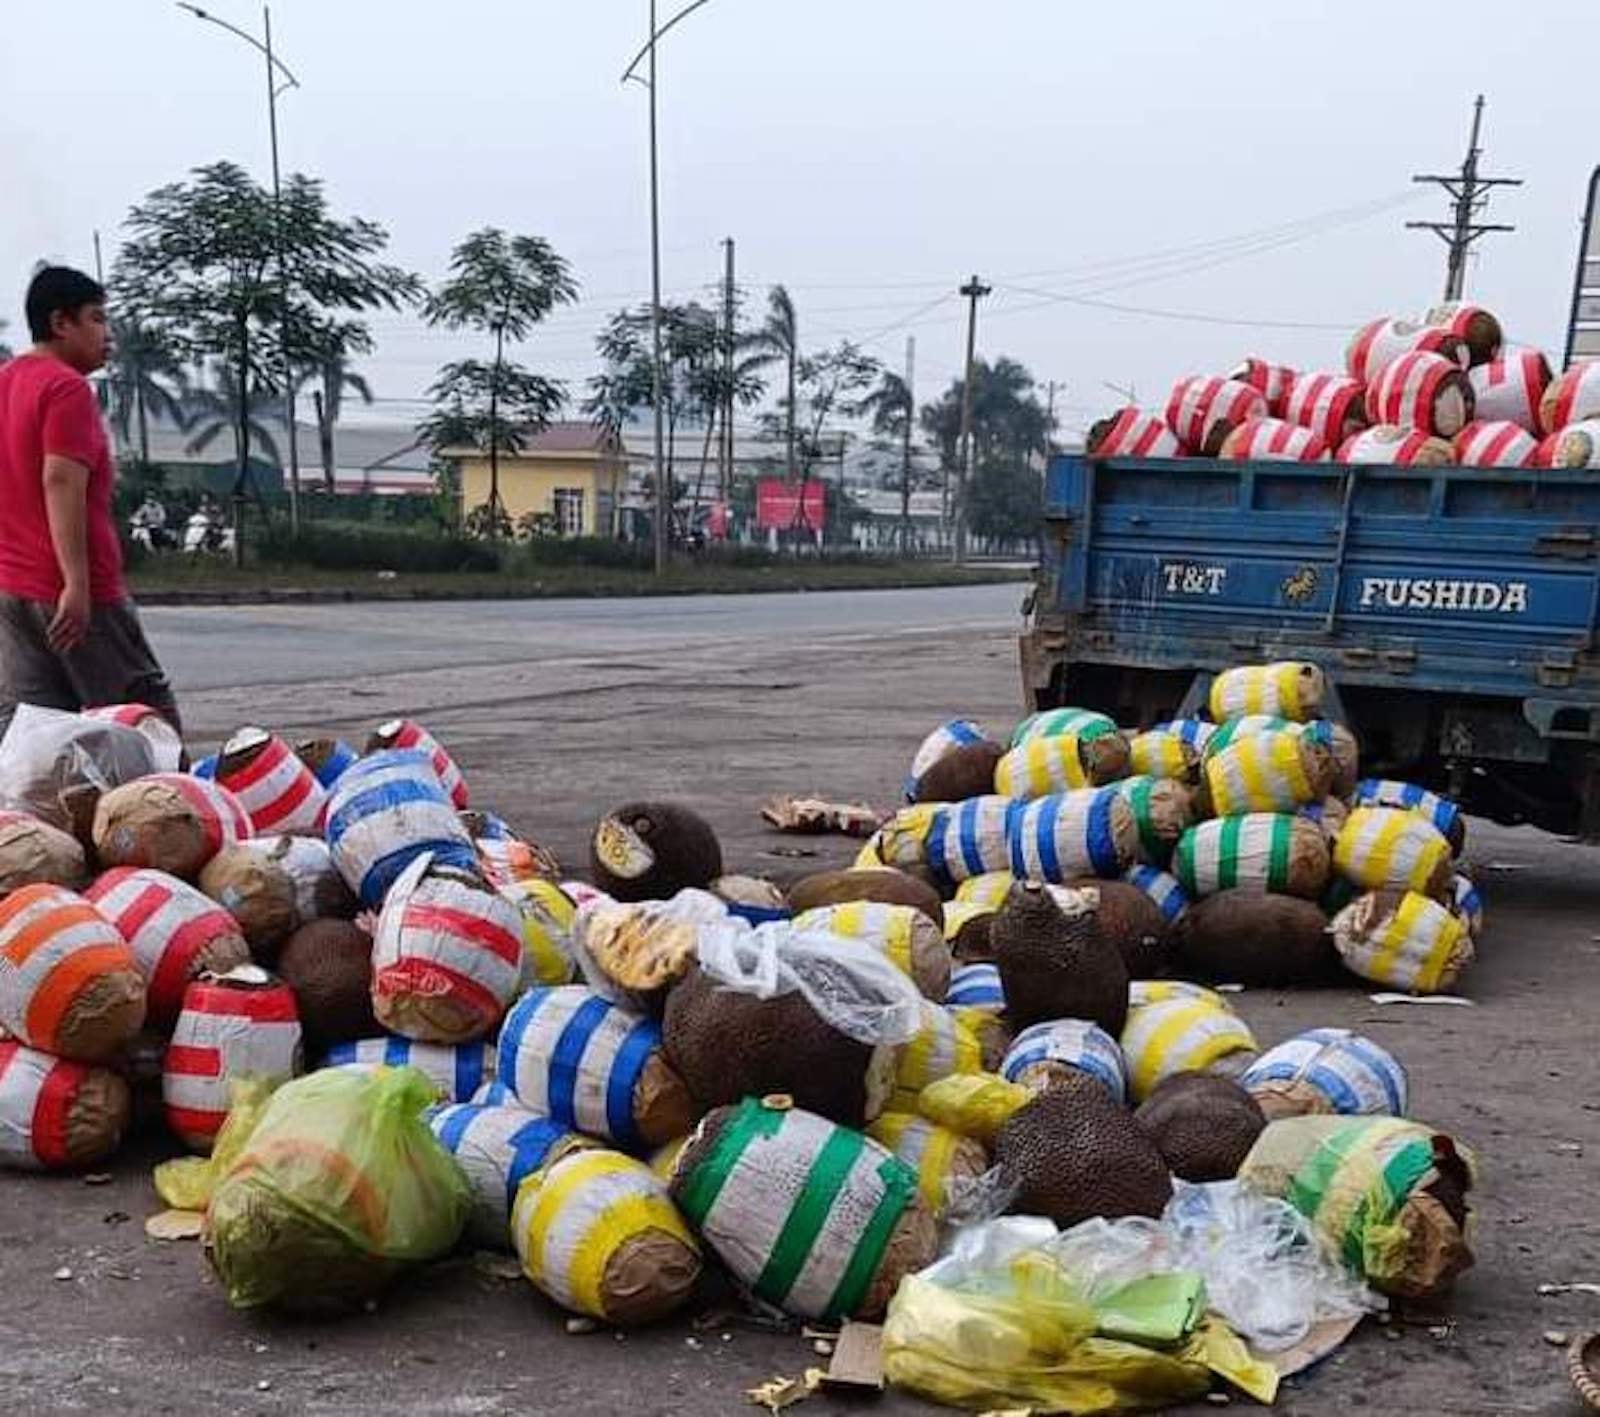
<point>340,1184</point>
<point>972,1104</point>
<point>186,1182</point>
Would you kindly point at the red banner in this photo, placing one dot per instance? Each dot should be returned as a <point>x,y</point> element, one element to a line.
<point>778,505</point>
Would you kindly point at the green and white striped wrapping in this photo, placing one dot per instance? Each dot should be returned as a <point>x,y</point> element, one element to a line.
<point>1276,851</point>
<point>797,1208</point>
<point>1162,810</point>
<point>1052,723</point>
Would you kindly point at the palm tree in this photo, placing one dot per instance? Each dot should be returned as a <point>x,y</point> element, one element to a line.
<point>143,377</point>
<point>781,335</point>
<point>336,376</point>
<point>215,409</point>
<point>893,411</point>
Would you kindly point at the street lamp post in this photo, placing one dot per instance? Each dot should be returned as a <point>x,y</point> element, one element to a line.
<point>275,67</point>
<point>663,491</point>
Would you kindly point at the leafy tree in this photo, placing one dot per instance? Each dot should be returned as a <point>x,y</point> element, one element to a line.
<point>144,376</point>
<point>893,413</point>
<point>780,336</point>
<point>213,409</point>
<point>201,268</point>
<point>1005,504</point>
<point>502,286</point>
<point>5,349</point>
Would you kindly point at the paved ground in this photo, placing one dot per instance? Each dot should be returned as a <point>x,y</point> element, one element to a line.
<point>560,710</point>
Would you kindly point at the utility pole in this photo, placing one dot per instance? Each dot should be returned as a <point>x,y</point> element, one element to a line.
<point>283,280</point>
<point>663,485</point>
<point>99,265</point>
<point>725,461</point>
<point>974,290</point>
<point>1469,194</point>
<point>1049,414</point>
<point>905,446</point>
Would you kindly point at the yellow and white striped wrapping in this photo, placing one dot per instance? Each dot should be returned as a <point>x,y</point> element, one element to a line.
<point>1407,942</point>
<point>1041,766</point>
<point>1161,753</point>
<point>664,1158</point>
<point>941,1047</point>
<point>1390,848</point>
<point>902,840</point>
<point>958,914</point>
<point>1264,773</point>
<point>1159,991</point>
<point>1178,1036</point>
<point>1289,689</point>
<point>902,934</point>
<point>572,1217</point>
<point>548,914</point>
<point>935,1153</point>
<point>989,889</point>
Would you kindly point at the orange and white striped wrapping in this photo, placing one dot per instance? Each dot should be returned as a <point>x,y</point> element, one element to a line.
<point>405,733</point>
<point>166,747</point>
<point>1378,343</point>
<point>1387,445</point>
<point>55,1114</point>
<point>1576,445</point>
<point>1270,380</point>
<point>447,956</point>
<point>220,816</point>
<point>1573,396</point>
<point>1203,410</point>
<point>1404,941</point>
<point>278,790</point>
<point>1497,444</point>
<point>175,932</point>
<point>1474,326</point>
<point>1421,390</point>
<point>1332,405</point>
<point>229,1028</point>
<point>1273,440</point>
<point>1133,433</point>
<point>1511,387</point>
<point>56,952</point>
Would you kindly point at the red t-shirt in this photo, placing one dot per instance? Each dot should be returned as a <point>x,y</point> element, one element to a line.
<point>46,406</point>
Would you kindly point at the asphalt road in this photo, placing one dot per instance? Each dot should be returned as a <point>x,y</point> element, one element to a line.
<point>560,711</point>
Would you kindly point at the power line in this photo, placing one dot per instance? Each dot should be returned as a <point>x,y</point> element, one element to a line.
<point>1198,317</point>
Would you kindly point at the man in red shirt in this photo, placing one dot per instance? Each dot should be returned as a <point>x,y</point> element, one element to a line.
<point>70,637</point>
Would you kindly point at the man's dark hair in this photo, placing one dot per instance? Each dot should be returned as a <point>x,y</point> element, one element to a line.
<point>60,289</point>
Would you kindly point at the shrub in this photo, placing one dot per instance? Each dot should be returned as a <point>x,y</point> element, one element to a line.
<point>347,548</point>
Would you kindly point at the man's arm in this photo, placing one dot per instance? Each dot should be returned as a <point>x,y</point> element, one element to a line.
<point>66,506</point>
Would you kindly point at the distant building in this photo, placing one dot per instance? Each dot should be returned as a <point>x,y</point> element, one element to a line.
<point>570,479</point>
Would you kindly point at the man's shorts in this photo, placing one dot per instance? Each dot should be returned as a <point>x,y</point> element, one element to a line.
<point>113,665</point>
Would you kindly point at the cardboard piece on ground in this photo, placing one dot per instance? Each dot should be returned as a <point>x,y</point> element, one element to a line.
<point>857,1358</point>
<point>812,816</point>
<point>1322,1340</point>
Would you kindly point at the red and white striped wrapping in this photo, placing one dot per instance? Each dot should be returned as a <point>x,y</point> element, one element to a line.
<point>1203,410</point>
<point>133,823</point>
<point>175,931</point>
<point>1476,327</point>
<point>1421,390</point>
<point>1500,443</point>
<point>1577,445</point>
<point>166,747</point>
<point>405,733</point>
<point>243,1025</point>
<point>446,957</point>
<point>1333,405</point>
<point>1511,387</point>
<point>1273,440</point>
<point>1573,396</point>
<point>278,790</point>
<point>1378,343</point>
<point>1401,447</point>
<point>1133,433</point>
<point>1271,381</point>
<point>55,1114</point>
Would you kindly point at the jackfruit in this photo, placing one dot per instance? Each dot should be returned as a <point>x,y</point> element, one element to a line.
<point>1134,923</point>
<point>1072,1154</point>
<point>328,964</point>
<point>1203,1125</point>
<point>884,884</point>
<point>1250,936</point>
<point>961,773</point>
<point>652,850</point>
<point>1055,965</point>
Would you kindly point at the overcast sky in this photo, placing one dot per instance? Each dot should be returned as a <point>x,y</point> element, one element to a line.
<point>1222,158</point>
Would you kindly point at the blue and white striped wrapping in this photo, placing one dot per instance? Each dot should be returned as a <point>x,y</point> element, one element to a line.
<point>1165,890</point>
<point>1387,792</point>
<point>1194,731</point>
<point>577,1058</point>
<point>975,986</point>
<point>384,813</point>
<point>498,1148</point>
<point>945,739</point>
<point>1074,1043</point>
<point>338,760</point>
<point>970,838</point>
<point>207,767</point>
<point>1353,1075</point>
<point>1090,832</point>
<point>1467,903</point>
<point>495,1093</point>
<point>458,1071</point>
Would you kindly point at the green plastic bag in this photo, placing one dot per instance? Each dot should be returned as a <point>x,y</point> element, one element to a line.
<point>340,1186</point>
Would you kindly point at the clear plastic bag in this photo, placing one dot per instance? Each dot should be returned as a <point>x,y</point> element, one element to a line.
<point>49,759</point>
<point>689,908</point>
<point>850,984</point>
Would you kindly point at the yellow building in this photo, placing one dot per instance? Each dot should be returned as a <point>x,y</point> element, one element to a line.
<point>571,477</point>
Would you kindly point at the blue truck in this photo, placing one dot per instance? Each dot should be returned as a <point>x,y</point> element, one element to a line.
<point>1453,609</point>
